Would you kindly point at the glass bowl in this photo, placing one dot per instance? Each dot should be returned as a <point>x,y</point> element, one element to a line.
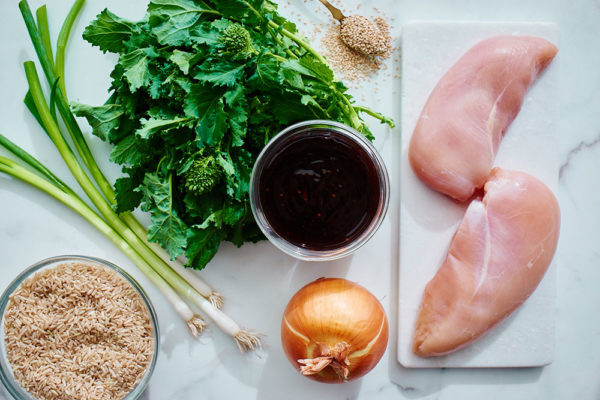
<point>288,136</point>
<point>6,375</point>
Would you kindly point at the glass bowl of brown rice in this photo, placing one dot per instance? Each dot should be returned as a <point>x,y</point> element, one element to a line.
<point>76,327</point>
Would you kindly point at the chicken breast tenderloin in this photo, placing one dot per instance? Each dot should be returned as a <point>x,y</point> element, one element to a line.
<point>456,138</point>
<point>496,259</point>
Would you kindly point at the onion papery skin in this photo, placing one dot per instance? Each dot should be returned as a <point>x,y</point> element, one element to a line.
<point>330,311</point>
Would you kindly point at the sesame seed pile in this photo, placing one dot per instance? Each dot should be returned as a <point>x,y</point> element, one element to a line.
<point>364,36</point>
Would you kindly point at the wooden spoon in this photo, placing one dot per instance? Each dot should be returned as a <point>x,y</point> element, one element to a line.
<point>337,14</point>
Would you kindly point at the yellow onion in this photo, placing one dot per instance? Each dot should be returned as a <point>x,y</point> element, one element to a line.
<point>334,330</point>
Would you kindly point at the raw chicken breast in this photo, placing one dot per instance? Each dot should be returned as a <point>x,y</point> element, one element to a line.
<point>454,143</point>
<point>496,259</point>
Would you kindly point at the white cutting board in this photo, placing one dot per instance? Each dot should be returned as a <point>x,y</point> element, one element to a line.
<point>428,219</point>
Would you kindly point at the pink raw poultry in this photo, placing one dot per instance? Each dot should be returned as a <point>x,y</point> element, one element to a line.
<point>496,259</point>
<point>454,143</point>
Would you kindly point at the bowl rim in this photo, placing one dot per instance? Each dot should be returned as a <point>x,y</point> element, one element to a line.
<point>6,375</point>
<point>320,255</point>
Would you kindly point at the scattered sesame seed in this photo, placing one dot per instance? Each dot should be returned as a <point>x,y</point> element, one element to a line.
<point>351,65</point>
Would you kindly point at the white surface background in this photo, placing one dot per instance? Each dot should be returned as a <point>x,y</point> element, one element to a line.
<point>258,280</point>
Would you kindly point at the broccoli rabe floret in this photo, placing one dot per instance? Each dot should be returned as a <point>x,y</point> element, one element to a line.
<point>237,42</point>
<point>203,175</point>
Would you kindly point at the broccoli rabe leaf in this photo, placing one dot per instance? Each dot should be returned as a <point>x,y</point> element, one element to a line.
<point>128,150</point>
<point>136,68</point>
<point>318,69</point>
<point>266,74</point>
<point>205,34</point>
<point>109,32</point>
<point>242,161</point>
<point>203,245</point>
<point>238,124</point>
<point>230,214</point>
<point>219,74</point>
<point>166,228</point>
<point>153,125</point>
<point>128,198</point>
<point>171,21</point>
<point>206,105</point>
<point>247,11</point>
<point>103,119</point>
<point>183,59</point>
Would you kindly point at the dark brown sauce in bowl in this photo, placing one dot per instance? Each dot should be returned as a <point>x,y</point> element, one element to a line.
<point>319,190</point>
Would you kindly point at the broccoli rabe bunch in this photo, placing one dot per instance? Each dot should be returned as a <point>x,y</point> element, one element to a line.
<point>198,90</point>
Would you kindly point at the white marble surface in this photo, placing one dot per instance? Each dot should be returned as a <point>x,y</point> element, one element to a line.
<point>258,280</point>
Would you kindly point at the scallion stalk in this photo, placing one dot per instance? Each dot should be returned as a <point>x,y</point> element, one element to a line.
<point>61,43</point>
<point>41,15</point>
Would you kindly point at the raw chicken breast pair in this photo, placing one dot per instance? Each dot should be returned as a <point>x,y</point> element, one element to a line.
<point>507,239</point>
